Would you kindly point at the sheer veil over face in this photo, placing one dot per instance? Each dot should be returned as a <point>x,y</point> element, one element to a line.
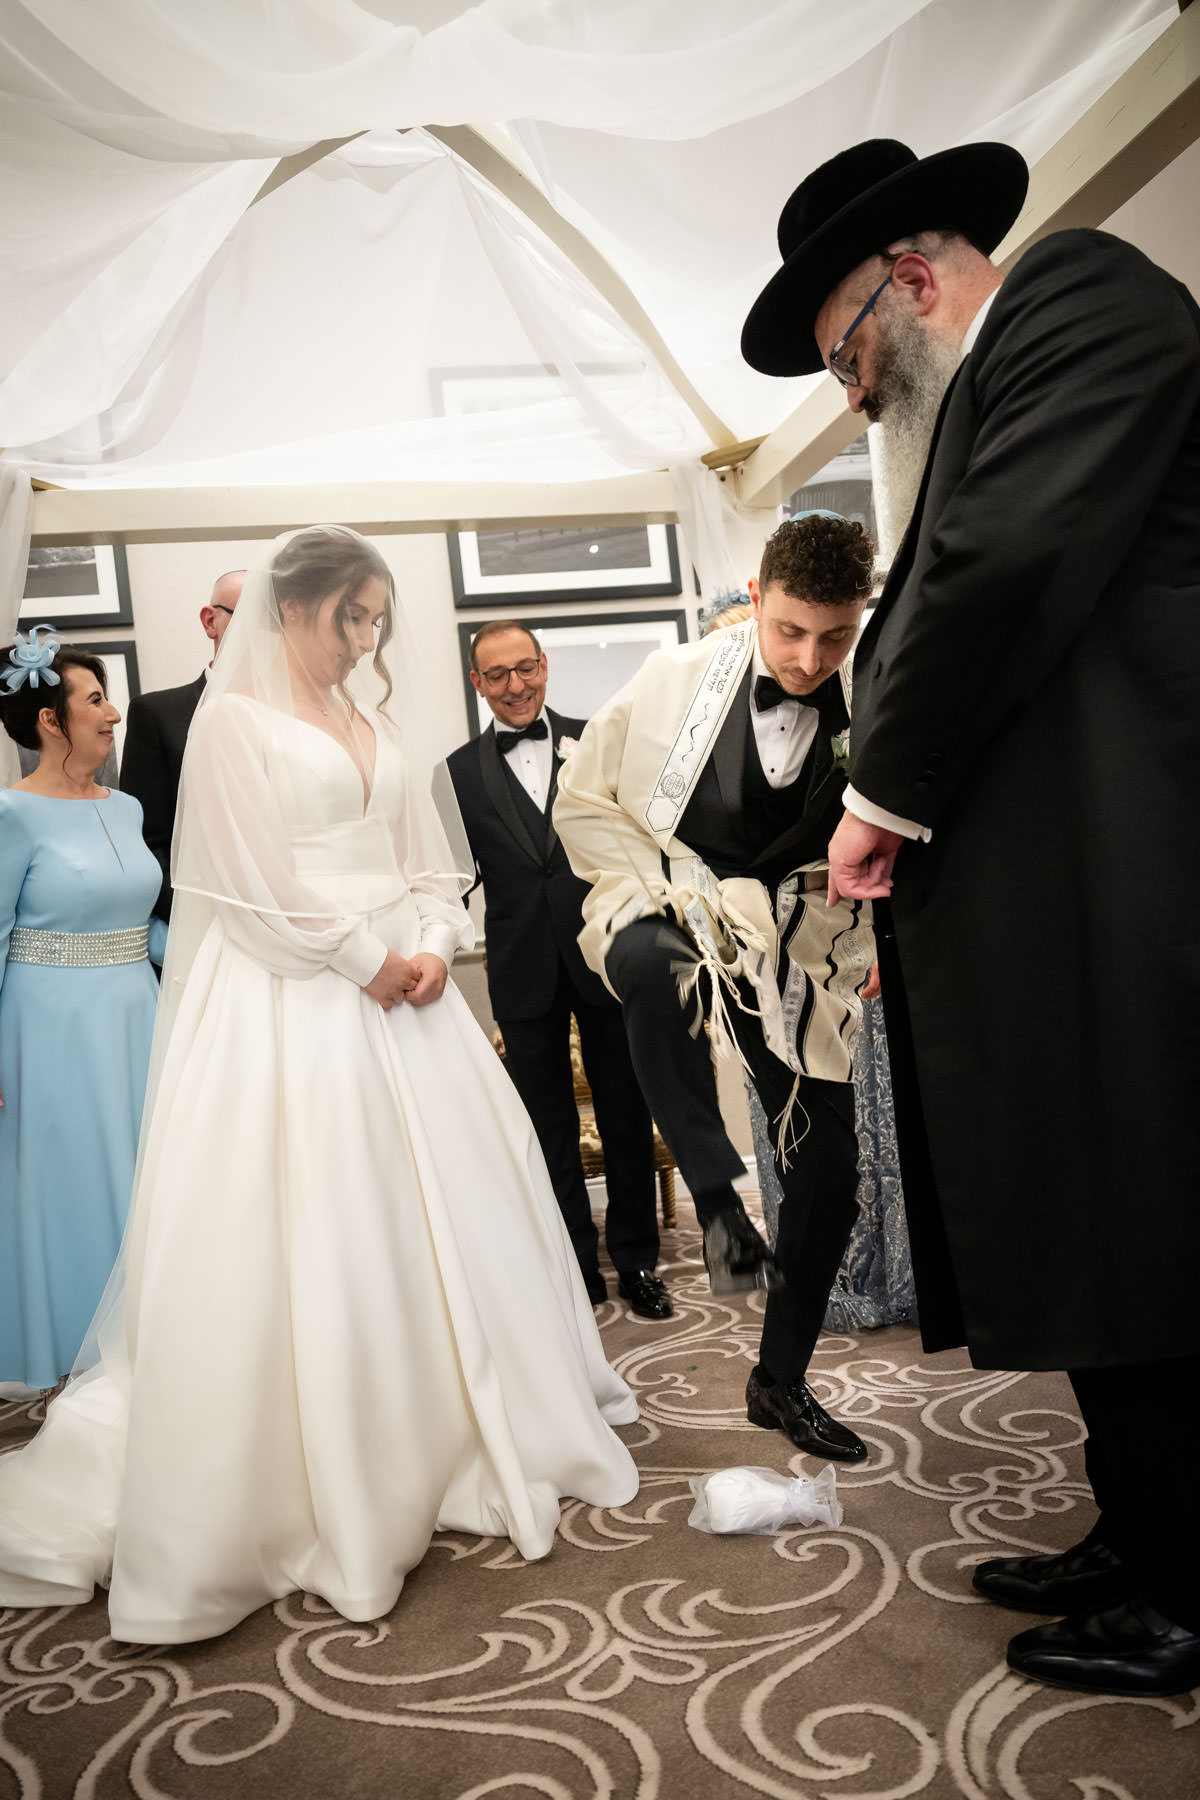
<point>318,640</point>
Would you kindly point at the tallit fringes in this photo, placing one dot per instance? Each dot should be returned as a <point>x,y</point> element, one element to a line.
<point>787,1140</point>
<point>722,982</point>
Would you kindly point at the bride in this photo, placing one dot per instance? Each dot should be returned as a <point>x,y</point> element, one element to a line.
<point>346,1313</point>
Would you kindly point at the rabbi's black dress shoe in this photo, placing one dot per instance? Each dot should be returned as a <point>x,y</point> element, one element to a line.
<point>1129,1649</point>
<point>1084,1579</point>
<point>736,1257</point>
<point>597,1287</point>
<point>795,1410</point>
<point>646,1293</point>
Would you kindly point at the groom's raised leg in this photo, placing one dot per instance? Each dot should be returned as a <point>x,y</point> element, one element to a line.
<point>673,1060</point>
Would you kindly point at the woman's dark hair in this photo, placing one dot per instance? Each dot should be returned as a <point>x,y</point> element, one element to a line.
<point>19,710</point>
<point>333,560</point>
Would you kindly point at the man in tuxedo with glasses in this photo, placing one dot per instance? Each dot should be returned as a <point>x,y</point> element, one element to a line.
<point>506,781</point>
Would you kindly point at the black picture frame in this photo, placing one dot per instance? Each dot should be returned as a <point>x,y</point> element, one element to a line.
<point>628,627</point>
<point>653,576</point>
<point>77,587</point>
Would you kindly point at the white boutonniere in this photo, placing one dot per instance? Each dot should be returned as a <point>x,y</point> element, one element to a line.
<point>841,749</point>
<point>564,747</point>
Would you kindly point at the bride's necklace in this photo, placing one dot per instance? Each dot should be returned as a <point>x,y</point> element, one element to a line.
<point>347,724</point>
<point>320,700</point>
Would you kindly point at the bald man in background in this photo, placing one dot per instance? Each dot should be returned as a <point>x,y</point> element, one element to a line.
<point>156,735</point>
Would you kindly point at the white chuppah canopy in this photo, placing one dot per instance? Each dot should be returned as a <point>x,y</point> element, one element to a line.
<point>387,313</point>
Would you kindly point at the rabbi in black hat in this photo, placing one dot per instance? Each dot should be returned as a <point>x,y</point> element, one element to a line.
<point>1023,769</point>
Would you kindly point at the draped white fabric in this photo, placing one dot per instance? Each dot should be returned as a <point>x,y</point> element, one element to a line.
<point>16,513</point>
<point>158,327</point>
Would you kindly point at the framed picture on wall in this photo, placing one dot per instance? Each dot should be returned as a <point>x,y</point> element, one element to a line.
<point>599,562</point>
<point>77,587</point>
<point>590,657</point>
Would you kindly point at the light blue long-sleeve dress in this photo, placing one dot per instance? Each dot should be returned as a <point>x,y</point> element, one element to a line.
<point>74,1052</point>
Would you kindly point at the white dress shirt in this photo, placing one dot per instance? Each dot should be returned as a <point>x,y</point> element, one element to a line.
<point>783,734</point>
<point>852,800</point>
<point>531,761</point>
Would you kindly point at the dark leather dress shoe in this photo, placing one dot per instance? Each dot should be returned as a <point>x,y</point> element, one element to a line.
<point>646,1293</point>
<point>795,1410</point>
<point>736,1257</point>
<point>597,1287</point>
<point>1129,1649</point>
<point>1083,1579</point>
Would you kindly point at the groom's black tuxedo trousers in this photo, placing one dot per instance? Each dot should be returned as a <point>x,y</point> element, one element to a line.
<point>537,979</point>
<point>739,825</point>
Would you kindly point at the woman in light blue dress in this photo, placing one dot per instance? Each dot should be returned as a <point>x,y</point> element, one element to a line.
<point>77,1002</point>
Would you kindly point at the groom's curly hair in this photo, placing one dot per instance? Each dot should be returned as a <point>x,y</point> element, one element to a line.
<point>827,561</point>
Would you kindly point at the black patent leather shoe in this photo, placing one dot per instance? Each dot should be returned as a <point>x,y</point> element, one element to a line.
<point>1084,1579</point>
<point>736,1257</point>
<point>1129,1649</point>
<point>795,1410</point>
<point>597,1287</point>
<point>646,1293</point>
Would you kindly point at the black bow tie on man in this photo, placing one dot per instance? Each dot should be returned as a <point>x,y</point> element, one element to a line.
<point>508,740</point>
<point>824,699</point>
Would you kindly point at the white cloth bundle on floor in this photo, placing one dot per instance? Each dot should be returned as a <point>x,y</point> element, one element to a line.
<point>763,1500</point>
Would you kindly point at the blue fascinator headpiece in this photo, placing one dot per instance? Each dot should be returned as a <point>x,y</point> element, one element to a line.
<point>30,658</point>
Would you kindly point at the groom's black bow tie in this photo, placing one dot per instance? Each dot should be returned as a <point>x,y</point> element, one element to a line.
<point>769,694</point>
<point>508,740</point>
<point>826,699</point>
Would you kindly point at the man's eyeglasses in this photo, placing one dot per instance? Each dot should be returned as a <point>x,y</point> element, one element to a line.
<point>846,368</point>
<point>499,677</point>
<point>217,607</point>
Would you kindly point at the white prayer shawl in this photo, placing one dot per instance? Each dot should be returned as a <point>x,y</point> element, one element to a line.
<point>621,795</point>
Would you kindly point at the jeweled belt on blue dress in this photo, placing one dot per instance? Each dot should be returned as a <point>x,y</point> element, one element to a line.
<point>78,949</point>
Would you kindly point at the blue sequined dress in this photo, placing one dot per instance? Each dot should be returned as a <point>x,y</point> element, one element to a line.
<point>74,1052</point>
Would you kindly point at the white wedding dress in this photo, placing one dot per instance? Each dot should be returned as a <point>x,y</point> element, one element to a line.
<point>350,1314</point>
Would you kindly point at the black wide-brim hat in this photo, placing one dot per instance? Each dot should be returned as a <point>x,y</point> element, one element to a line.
<point>855,205</point>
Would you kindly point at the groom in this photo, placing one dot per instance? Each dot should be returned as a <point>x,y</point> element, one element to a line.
<point>505,781</point>
<point>698,806</point>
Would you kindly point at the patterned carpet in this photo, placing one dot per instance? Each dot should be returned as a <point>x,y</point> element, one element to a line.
<point>643,1659</point>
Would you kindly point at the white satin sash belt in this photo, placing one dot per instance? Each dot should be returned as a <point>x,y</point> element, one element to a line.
<point>352,863</point>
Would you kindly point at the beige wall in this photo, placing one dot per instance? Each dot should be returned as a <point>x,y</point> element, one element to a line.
<point>1164,219</point>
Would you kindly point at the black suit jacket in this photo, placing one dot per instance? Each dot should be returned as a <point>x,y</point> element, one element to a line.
<point>1029,687</point>
<point>533,904</point>
<point>155,738</point>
